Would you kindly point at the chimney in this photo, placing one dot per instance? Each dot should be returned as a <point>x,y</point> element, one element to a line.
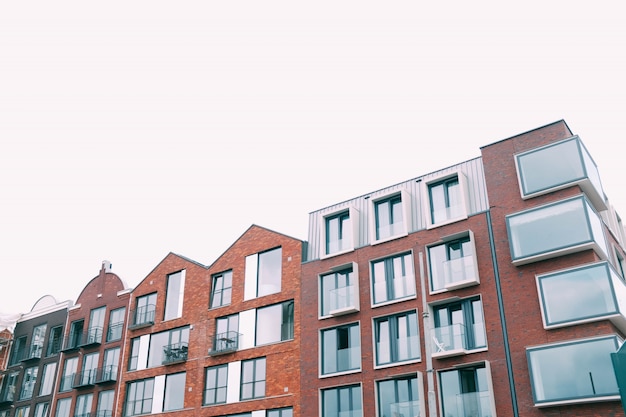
<point>107,266</point>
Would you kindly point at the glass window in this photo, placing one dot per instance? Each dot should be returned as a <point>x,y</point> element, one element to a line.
<point>342,401</point>
<point>397,338</point>
<point>253,379</point>
<point>161,342</point>
<point>28,382</point>
<point>221,289</point>
<point>465,392</point>
<point>553,229</point>
<point>446,200</point>
<point>393,278</point>
<point>573,371</point>
<point>9,386</point>
<point>145,310</point>
<point>216,385</point>
<point>36,344</point>
<point>47,381</point>
<point>341,349</point>
<point>110,364</point>
<point>226,333</point>
<point>41,410</point>
<point>19,350</point>
<point>116,324</point>
<point>4,413</point>
<point>274,323</point>
<point>388,217</point>
<point>22,411</point>
<point>263,273</point>
<point>398,397</point>
<point>338,232</point>
<point>339,293</point>
<point>63,407</point>
<point>174,391</point>
<point>55,340</point>
<point>69,370</point>
<point>133,358</point>
<point>280,412</point>
<point>139,396</point>
<point>76,334</point>
<point>459,326</point>
<point>90,369</point>
<point>96,325</point>
<point>175,295</point>
<point>452,264</point>
<point>105,404</point>
<point>83,405</point>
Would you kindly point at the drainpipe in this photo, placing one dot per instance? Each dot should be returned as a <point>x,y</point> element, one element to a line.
<point>430,377</point>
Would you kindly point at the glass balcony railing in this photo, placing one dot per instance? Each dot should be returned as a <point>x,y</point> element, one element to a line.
<point>475,404</point>
<point>460,271</point>
<point>343,300</point>
<point>406,409</point>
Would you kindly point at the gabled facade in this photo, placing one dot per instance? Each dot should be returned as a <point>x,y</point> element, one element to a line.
<point>6,337</point>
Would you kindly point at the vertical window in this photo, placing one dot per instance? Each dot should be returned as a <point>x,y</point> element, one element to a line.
<point>459,326</point>
<point>174,392</point>
<point>83,405</point>
<point>393,278</point>
<point>63,407</point>
<point>274,323</point>
<point>226,333</point>
<point>47,381</point>
<point>133,359</point>
<point>69,369</point>
<point>96,325</point>
<point>397,338</point>
<point>263,273</point>
<point>139,396</point>
<point>28,383</point>
<point>19,349</point>
<point>338,231</point>
<point>221,289</point>
<point>175,295</point>
<point>399,397</point>
<point>465,392</point>
<point>215,385</point>
<point>41,410</point>
<point>280,412</point>
<point>145,310</point>
<point>55,340</point>
<point>9,384</point>
<point>90,368</point>
<point>253,379</point>
<point>109,365</point>
<point>446,200</point>
<point>388,217</point>
<point>452,264</point>
<point>22,411</point>
<point>620,265</point>
<point>342,401</point>
<point>76,334</point>
<point>105,404</point>
<point>339,292</point>
<point>116,323</point>
<point>36,344</point>
<point>341,349</point>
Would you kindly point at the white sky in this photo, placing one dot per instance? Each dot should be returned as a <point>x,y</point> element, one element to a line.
<point>132,129</point>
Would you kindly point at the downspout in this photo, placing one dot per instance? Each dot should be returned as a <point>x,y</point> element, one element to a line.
<point>430,377</point>
<point>505,335</point>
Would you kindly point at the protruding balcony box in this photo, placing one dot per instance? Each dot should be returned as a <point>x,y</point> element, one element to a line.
<point>142,317</point>
<point>106,374</point>
<point>7,395</point>
<point>175,353</point>
<point>226,342</point>
<point>560,165</point>
<point>555,229</point>
<point>460,272</point>
<point>449,341</point>
<point>583,294</point>
<point>344,300</point>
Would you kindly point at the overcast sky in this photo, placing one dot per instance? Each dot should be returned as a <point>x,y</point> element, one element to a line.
<point>132,129</point>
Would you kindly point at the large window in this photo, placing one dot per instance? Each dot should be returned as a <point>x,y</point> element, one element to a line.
<point>216,385</point>
<point>452,264</point>
<point>41,410</point>
<point>263,273</point>
<point>459,327</point>
<point>221,289</point>
<point>175,295</point>
<point>105,404</point>
<point>555,229</point>
<point>573,371</point>
<point>161,344</point>
<point>397,338</point>
<point>28,382</point>
<point>337,233</point>
<point>116,324</point>
<point>393,278</point>
<point>83,405</point>
<point>280,412</point>
<point>174,398</point>
<point>145,310</point>
<point>55,340</point>
<point>69,370</point>
<point>389,218</point>
<point>89,369</point>
<point>446,198</point>
<point>133,358</point>
<point>96,326</point>
<point>109,365</point>
<point>342,402</point>
<point>36,344</point>
<point>47,380</point>
<point>9,387</point>
<point>466,391</point>
<point>274,323</point>
<point>63,407</point>
<point>341,349</point>
<point>18,351</point>
<point>139,396</point>
<point>339,292</point>
<point>253,379</point>
<point>226,337</point>
<point>399,397</point>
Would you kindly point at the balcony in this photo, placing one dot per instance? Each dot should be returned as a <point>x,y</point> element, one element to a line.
<point>7,396</point>
<point>114,332</point>
<point>457,339</point>
<point>476,404</point>
<point>106,374</point>
<point>91,337</point>
<point>85,379</point>
<point>343,301</point>
<point>175,353</point>
<point>32,353</point>
<point>460,272</point>
<point>225,343</point>
<point>406,409</point>
<point>142,317</point>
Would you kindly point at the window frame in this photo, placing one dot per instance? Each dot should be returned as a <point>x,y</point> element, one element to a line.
<point>347,327</point>
<point>374,221</point>
<point>352,225</point>
<point>115,327</point>
<point>392,343</point>
<point>174,295</point>
<point>223,289</point>
<point>254,275</point>
<point>388,267</point>
<point>469,343</point>
<point>257,381</point>
<point>355,389</point>
<point>416,379</point>
<point>145,398</point>
<point>466,236</point>
<point>353,281</point>
<point>464,368</point>
<point>216,388</point>
<point>174,388</point>
<point>287,317</point>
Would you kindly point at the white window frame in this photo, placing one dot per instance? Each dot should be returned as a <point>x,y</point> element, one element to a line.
<point>463,185</point>
<point>459,284</point>
<point>354,226</point>
<point>405,198</point>
<point>348,309</point>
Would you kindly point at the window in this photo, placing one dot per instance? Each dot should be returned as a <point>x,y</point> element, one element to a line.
<point>105,404</point>
<point>28,382</point>
<point>22,411</point>
<point>274,323</point>
<point>341,349</point>
<point>69,369</point>
<point>573,371</point>
<point>63,407</point>
<point>226,334</point>
<point>145,310</point>
<point>89,369</point>
<point>339,292</point>
<point>175,295</point>
<point>393,278</point>
<point>221,289</point>
<point>55,340</point>
<point>466,392</point>
<point>161,344</point>
<point>116,323</point>
<point>215,385</point>
<point>342,401</point>
<point>337,233</point>
<point>459,327</point>
<point>280,412</point>
<point>36,344</point>
<point>133,359</point>
<point>263,273</point>
<point>19,349</point>
<point>253,379</point>
<point>590,292</point>
<point>9,384</point>
<point>555,229</point>
<point>96,326</point>
<point>83,405</point>
<point>174,392</point>
<point>47,381</point>
<point>620,264</point>
<point>41,410</point>
<point>399,397</point>
<point>4,413</point>
<point>453,264</point>
<point>388,218</point>
<point>397,338</point>
<point>447,201</point>
<point>109,365</point>
<point>139,396</point>
<point>76,334</point>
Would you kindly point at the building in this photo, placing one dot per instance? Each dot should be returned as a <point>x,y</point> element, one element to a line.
<point>6,337</point>
<point>491,287</point>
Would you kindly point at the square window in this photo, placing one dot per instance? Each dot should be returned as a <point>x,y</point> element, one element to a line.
<point>338,233</point>
<point>341,349</point>
<point>342,401</point>
<point>263,273</point>
<point>399,397</point>
<point>139,395</point>
<point>393,278</point>
<point>221,289</point>
<point>452,264</point>
<point>397,338</point>
<point>274,323</point>
<point>467,391</point>
<point>175,295</point>
<point>215,386</point>
<point>459,328</point>
<point>145,309</point>
<point>253,379</point>
<point>339,292</point>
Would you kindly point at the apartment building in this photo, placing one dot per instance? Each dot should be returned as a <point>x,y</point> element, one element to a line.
<point>489,288</point>
<point>6,337</point>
